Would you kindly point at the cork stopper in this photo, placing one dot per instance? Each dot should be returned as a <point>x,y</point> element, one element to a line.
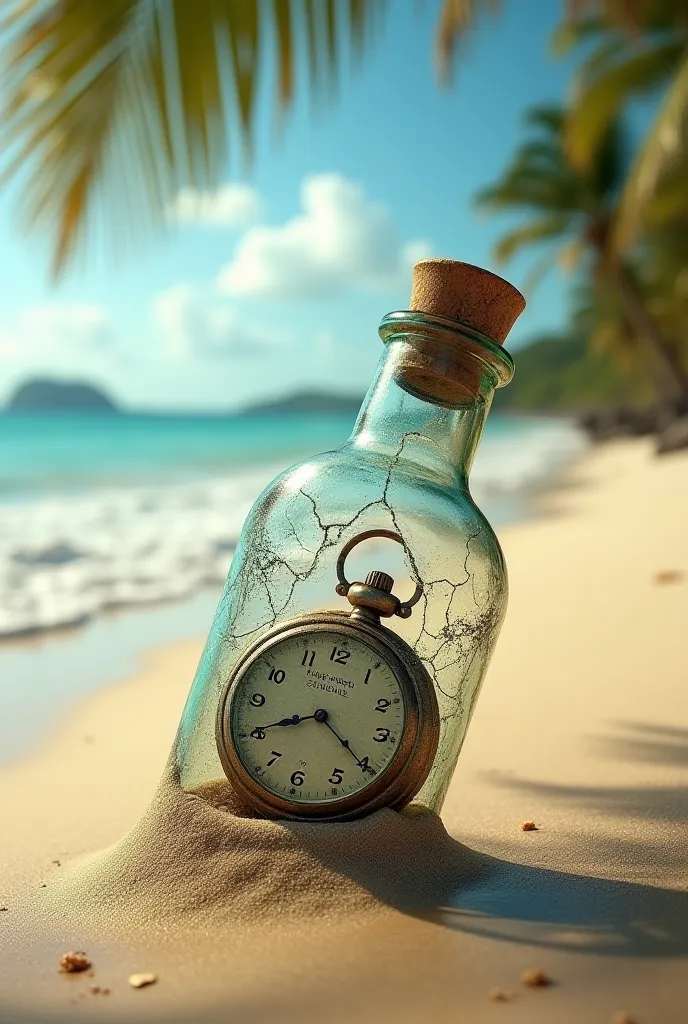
<point>470,294</point>
<point>444,366</point>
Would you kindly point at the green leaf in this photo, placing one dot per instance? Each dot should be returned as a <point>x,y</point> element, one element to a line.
<point>570,34</point>
<point>670,202</point>
<point>110,106</point>
<point>662,151</point>
<point>543,230</point>
<point>538,177</point>
<point>571,255</point>
<point>601,102</point>
<point>457,18</point>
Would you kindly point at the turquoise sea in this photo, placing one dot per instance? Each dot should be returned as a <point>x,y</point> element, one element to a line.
<point>60,453</point>
<point>105,511</point>
<point>116,533</point>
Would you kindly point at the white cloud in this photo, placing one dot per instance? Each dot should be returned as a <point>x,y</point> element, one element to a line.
<point>56,330</point>
<point>193,320</point>
<point>341,241</point>
<point>230,206</point>
<point>9,346</point>
<point>68,324</point>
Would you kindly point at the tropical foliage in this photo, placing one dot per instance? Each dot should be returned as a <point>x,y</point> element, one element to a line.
<point>562,374</point>
<point>110,107</point>
<point>128,100</point>
<point>575,210</point>
<point>570,208</point>
<point>635,49</point>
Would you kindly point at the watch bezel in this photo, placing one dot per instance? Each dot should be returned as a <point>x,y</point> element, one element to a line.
<point>407,770</point>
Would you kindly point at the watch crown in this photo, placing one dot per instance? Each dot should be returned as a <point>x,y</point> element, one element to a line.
<point>380,580</point>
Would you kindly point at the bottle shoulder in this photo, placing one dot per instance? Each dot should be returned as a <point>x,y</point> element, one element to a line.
<point>343,489</point>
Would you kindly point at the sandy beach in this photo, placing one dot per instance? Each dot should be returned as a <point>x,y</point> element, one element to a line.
<point>582,727</point>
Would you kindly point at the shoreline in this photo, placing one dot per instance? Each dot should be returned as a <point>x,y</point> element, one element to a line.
<point>77,665</point>
<point>132,632</point>
<point>548,504</point>
<point>73,555</point>
<point>582,726</point>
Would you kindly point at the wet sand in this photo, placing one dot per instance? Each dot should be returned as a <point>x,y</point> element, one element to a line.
<point>582,727</point>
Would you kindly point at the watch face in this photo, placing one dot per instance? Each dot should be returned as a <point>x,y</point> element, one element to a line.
<point>318,717</point>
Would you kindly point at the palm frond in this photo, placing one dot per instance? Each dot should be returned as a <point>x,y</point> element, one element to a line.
<point>669,204</point>
<point>537,273</point>
<point>538,177</point>
<point>609,169</point>
<point>549,117</point>
<point>571,33</point>
<point>110,107</point>
<point>599,317</point>
<point>661,152</point>
<point>571,254</point>
<point>457,18</point>
<point>602,100</point>
<point>545,229</point>
<point>631,16</point>
<point>528,190</point>
<point>611,49</point>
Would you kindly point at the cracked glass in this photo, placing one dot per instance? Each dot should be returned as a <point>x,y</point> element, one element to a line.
<point>405,469</point>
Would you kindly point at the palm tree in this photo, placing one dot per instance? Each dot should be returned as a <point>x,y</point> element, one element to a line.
<point>113,105</point>
<point>665,259</point>
<point>110,106</point>
<point>574,211</point>
<point>641,49</point>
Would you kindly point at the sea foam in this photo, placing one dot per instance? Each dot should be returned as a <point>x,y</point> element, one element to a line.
<point>67,558</point>
<point>64,559</point>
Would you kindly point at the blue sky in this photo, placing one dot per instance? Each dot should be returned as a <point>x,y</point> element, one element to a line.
<point>279,281</point>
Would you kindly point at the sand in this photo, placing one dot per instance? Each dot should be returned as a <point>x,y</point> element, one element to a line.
<point>582,727</point>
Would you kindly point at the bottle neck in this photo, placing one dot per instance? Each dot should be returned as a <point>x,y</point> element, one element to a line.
<point>426,407</point>
<point>441,441</point>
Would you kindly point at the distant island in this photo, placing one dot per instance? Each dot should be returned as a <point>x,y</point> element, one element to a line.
<point>554,374</point>
<point>307,402</point>
<point>43,395</point>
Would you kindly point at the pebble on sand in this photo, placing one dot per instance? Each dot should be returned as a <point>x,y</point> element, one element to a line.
<point>535,978</point>
<point>141,980</point>
<point>72,963</point>
<point>668,576</point>
<point>529,826</point>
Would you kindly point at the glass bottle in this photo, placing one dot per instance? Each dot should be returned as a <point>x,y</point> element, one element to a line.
<point>404,469</point>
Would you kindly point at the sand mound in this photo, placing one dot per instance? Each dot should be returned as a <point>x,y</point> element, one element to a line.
<point>190,856</point>
<point>196,891</point>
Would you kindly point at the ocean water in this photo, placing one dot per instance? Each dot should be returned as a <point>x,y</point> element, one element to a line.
<point>104,512</point>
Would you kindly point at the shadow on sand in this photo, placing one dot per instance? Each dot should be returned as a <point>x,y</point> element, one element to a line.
<point>593,915</point>
<point>569,912</point>
<point>218,869</point>
<point>461,889</point>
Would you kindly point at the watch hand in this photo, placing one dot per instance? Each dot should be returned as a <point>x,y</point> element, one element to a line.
<point>294,720</point>
<point>344,743</point>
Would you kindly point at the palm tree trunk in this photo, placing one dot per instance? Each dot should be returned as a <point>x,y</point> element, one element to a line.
<point>673,374</point>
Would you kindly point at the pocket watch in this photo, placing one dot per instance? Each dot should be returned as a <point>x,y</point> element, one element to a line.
<point>331,715</point>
